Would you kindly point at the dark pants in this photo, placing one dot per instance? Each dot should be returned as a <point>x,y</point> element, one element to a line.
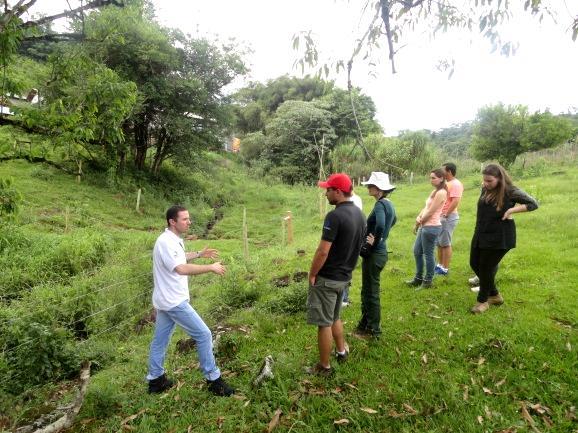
<point>371,268</point>
<point>485,265</point>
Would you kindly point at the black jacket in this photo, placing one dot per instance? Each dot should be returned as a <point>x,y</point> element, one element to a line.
<point>491,231</point>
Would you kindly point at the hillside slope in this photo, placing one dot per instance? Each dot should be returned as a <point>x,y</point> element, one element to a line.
<point>437,368</point>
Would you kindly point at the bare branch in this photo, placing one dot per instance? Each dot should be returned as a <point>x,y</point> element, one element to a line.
<point>91,5</point>
<point>385,18</point>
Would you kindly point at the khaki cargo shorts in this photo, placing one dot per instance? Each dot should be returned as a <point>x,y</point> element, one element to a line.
<point>324,301</point>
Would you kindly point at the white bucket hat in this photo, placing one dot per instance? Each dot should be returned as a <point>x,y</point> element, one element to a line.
<point>380,180</point>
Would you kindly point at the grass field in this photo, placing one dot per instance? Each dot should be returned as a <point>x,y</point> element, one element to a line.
<point>437,368</point>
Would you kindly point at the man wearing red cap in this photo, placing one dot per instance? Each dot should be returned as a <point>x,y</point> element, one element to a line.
<point>330,273</point>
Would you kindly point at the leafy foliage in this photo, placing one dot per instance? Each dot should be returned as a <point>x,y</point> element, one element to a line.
<point>298,134</point>
<point>10,199</point>
<point>504,132</point>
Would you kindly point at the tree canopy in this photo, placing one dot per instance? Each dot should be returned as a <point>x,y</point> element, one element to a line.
<point>504,132</point>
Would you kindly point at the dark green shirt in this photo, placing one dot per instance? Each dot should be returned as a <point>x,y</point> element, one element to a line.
<point>379,222</point>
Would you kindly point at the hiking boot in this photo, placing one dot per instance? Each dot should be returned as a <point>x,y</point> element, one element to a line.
<point>341,358</point>
<point>474,281</point>
<point>160,384</point>
<point>495,300</point>
<point>220,388</point>
<point>480,307</point>
<point>415,282</point>
<point>319,370</point>
<point>425,284</point>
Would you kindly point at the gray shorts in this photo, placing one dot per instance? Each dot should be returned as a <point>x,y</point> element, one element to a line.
<point>324,301</point>
<point>449,223</point>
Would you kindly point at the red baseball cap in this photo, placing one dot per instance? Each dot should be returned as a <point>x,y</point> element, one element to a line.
<point>339,181</point>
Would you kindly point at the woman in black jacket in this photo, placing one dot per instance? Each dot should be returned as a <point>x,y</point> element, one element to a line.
<point>495,232</point>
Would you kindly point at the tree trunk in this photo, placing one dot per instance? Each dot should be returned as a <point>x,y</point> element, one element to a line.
<point>140,144</point>
<point>160,151</point>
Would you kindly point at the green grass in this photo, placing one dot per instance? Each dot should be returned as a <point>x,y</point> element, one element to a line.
<point>436,368</point>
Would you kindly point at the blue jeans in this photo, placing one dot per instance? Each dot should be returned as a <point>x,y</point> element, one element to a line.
<point>187,318</point>
<point>423,251</point>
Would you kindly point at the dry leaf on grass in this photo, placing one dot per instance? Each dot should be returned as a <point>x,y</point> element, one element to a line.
<point>410,409</point>
<point>569,346</point>
<point>341,421</point>
<point>132,417</point>
<point>480,419</point>
<point>351,385</point>
<point>481,360</point>
<point>392,413</point>
<point>368,410</point>
<point>527,417</point>
<point>466,392</point>
<point>500,383</point>
<point>487,390</point>
<point>220,421</point>
<point>274,421</point>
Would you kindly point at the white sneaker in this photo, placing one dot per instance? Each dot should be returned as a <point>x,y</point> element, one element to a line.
<point>475,289</point>
<point>344,304</point>
<point>474,281</point>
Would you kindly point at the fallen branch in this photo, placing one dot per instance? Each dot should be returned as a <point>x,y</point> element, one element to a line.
<point>65,421</point>
<point>266,371</point>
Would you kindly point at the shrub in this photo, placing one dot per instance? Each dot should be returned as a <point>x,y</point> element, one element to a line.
<point>37,353</point>
<point>292,300</point>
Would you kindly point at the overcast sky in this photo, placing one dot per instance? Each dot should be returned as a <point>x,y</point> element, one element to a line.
<point>542,74</point>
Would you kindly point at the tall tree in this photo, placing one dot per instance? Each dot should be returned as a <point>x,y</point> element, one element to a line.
<point>179,79</point>
<point>298,137</point>
<point>504,132</point>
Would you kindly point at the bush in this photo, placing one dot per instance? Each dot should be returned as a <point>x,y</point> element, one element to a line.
<point>293,300</point>
<point>10,199</point>
<point>36,353</point>
<point>48,259</point>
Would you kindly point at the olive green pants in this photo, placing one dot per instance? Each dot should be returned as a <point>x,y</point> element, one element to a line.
<point>371,268</point>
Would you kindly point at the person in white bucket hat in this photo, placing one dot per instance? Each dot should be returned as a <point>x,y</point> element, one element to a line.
<point>379,223</point>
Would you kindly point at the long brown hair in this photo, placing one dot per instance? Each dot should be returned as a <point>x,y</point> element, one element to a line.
<point>496,196</point>
<point>439,173</point>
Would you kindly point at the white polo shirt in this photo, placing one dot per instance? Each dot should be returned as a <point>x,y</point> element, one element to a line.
<point>171,289</point>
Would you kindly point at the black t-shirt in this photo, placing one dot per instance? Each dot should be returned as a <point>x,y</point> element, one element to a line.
<point>344,227</point>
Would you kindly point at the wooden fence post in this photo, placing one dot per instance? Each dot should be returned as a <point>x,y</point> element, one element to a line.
<point>66,219</point>
<point>138,200</point>
<point>79,174</point>
<point>245,237</point>
<point>411,178</point>
<point>289,219</point>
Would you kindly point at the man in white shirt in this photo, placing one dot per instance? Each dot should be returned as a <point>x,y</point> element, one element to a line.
<point>171,301</point>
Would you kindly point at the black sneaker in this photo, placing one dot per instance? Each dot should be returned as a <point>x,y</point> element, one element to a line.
<point>160,384</point>
<point>220,387</point>
<point>342,357</point>
<point>415,282</point>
